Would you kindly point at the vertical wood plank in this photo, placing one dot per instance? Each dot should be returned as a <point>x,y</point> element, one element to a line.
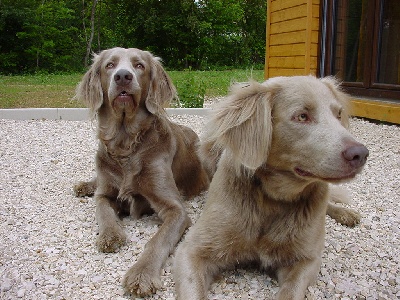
<point>266,67</point>
<point>307,54</point>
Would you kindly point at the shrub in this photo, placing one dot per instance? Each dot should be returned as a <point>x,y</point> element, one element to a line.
<point>191,91</point>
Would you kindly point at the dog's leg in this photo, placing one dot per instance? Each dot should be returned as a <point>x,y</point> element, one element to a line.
<point>345,216</point>
<point>192,272</point>
<point>139,206</point>
<point>209,154</point>
<point>85,188</point>
<point>294,280</point>
<point>143,278</point>
<point>111,235</point>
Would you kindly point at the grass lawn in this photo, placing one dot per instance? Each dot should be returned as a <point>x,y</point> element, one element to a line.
<point>58,90</point>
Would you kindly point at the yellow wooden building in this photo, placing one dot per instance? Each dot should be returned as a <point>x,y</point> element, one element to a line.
<point>358,41</point>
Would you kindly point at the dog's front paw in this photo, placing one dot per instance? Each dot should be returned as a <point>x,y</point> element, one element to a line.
<point>84,188</point>
<point>350,218</point>
<point>141,281</point>
<point>110,240</point>
<point>345,216</point>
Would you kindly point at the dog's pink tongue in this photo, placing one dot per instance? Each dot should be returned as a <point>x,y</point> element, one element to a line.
<point>124,100</point>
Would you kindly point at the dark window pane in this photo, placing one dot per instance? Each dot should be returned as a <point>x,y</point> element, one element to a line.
<point>389,50</point>
<point>350,40</point>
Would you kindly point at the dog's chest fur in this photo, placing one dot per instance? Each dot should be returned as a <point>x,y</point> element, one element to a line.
<point>126,155</point>
<point>286,226</point>
<point>258,227</point>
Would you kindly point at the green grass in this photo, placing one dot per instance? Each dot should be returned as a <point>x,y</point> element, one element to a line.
<point>216,82</point>
<point>58,90</point>
<point>38,91</point>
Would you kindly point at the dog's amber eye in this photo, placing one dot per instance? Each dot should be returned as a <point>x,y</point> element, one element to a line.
<point>110,65</point>
<point>303,117</point>
<point>139,66</point>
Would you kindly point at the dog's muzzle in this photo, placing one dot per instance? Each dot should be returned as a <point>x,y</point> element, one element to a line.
<point>125,82</point>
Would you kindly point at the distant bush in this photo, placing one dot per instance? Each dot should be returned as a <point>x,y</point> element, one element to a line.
<point>191,91</point>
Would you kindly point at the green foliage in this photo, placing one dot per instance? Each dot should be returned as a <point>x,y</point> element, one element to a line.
<point>52,36</point>
<point>42,35</point>
<point>191,90</point>
<point>216,82</point>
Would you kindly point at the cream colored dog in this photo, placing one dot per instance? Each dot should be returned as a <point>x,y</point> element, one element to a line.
<point>278,145</point>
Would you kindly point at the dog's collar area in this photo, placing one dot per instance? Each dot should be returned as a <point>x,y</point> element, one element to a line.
<point>274,184</point>
<point>119,148</point>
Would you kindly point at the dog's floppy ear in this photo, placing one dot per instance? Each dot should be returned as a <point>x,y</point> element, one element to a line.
<point>161,89</point>
<point>242,124</point>
<point>89,89</point>
<point>344,99</point>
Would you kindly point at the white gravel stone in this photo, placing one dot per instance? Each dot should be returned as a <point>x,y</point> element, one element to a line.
<point>47,248</point>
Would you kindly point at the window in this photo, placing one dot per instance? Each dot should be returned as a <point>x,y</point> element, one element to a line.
<point>360,44</point>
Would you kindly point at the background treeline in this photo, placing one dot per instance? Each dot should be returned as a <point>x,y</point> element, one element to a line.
<point>59,36</point>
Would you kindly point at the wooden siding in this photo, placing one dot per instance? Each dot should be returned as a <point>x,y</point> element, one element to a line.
<point>292,37</point>
<point>292,49</point>
<point>376,110</point>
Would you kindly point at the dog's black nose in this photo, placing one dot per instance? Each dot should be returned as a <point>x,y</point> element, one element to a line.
<point>123,77</point>
<point>356,155</point>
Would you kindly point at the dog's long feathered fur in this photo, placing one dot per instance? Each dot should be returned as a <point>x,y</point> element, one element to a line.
<point>273,148</point>
<point>144,162</point>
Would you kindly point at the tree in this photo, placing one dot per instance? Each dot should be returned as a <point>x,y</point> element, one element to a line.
<point>52,36</point>
<point>13,15</point>
<point>43,35</point>
<point>92,28</point>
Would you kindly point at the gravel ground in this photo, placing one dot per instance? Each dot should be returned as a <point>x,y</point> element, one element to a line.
<point>47,248</point>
